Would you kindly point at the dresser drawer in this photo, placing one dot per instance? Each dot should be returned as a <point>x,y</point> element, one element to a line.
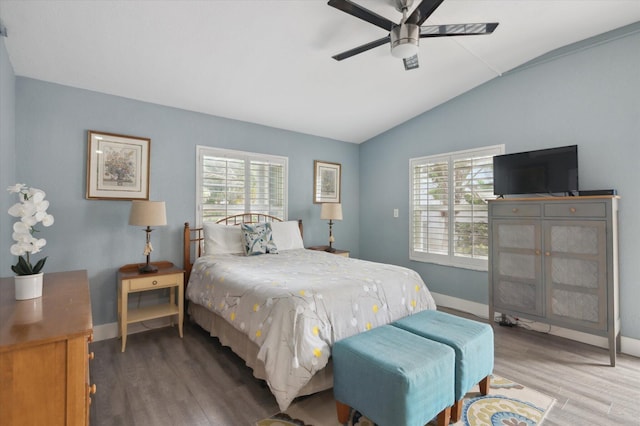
<point>516,209</point>
<point>575,210</point>
<point>155,281</point>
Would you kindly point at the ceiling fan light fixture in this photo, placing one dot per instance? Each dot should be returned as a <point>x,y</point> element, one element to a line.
<point>405,40</point>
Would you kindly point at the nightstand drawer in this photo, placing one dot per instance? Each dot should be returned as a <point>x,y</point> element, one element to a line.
<point>155,281</point>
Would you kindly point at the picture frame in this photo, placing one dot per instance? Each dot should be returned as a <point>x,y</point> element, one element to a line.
<point>326,182</point>
<point>117,166</point>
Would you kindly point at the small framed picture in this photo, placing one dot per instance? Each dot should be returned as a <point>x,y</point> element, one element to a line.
<point>326,182</point>
<point>117,167</point>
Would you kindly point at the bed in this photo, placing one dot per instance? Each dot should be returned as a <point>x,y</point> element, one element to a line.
<point>282,308</point>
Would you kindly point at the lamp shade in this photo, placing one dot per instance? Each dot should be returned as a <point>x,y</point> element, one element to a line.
<point>148,213</point>
<point>332,211</point>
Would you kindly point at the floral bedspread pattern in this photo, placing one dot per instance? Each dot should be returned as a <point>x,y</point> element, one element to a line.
<point>294,305</point>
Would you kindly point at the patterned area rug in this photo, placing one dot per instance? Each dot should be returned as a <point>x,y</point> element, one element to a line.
<point>508,404</point>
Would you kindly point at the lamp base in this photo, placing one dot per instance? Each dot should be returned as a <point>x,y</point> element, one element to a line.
<point>148,268</point>
<point>330,249</point>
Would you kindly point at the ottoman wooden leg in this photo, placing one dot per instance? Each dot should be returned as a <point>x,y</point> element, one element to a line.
<point>343,412</point>
<point>456,411</point>
<point>444,417</point>
<point>484,385</point>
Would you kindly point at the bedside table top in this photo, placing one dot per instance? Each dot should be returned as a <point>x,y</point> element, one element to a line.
<point>164,268</point>
<point>324,248</point>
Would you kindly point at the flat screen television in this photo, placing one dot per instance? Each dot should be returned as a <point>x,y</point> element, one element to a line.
<point>545,171</point>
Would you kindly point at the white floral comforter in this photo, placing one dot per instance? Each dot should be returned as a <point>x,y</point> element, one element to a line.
<point>294,305</point>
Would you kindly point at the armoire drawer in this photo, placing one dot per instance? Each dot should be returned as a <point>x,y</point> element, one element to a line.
<point>516,210</point>
<point>575,210</point>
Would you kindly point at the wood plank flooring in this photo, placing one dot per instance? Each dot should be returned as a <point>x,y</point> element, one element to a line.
<point>164,380</point>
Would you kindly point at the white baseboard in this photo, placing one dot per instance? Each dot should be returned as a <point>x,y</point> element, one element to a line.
<point>628,345</point>
<point>110,330</point>
<point>477,309</point>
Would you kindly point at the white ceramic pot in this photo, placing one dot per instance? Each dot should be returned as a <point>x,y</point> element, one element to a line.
<point>28,286</point>
<point>28,311</point>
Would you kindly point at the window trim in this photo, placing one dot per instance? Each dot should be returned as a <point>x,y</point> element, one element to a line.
<point>449,259</point>
<point>202,150</point>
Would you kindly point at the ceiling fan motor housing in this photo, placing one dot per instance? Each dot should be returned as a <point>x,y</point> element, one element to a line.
<point>405,39</point>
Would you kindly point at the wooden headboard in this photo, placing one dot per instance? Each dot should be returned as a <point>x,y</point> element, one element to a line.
<point>194,237</point>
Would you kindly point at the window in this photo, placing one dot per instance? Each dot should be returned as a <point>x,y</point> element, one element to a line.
<point>449,214</point>
<point>233,182</point>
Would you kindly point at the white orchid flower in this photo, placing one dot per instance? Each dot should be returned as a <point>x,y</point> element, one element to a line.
<point>29,220</point>
<point>36,195</point>
<point>21,237</point>
<point>42,205</point>
<point>47,220</point>
<point>18,250</point>
<point>17,188</point>
<point>20,227</point>
<point>16,210</point>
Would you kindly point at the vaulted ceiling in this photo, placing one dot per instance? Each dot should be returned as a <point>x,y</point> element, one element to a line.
<point>269,61</point>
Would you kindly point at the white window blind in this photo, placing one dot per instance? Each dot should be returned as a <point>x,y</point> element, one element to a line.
<point>449,215</point>
<point>234,182</point>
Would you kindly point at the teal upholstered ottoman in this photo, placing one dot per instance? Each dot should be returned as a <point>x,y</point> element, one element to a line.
<point>393,377</point>
<point>472,342</point>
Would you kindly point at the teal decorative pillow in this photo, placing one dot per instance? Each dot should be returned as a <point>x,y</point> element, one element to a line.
<point>257,239</point>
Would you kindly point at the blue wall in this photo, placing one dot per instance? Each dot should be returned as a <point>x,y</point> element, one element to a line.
<point>51,139</point>
<point>587,95</point>
<point>7,152</point>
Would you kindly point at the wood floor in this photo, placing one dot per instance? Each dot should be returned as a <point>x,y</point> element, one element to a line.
<point>164,380</point>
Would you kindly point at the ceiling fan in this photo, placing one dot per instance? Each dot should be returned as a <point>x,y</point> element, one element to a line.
<point>405,36</point>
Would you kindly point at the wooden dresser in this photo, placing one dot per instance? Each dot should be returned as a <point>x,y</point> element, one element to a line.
<point>44,353</point>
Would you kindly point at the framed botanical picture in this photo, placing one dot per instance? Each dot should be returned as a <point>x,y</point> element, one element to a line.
<point>117,167</point>
<point>326,182</point>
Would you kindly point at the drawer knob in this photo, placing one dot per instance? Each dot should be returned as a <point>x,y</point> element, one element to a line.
<point>537,252</point>
<point>154,282</point>
<point>93,389</point>
<point>90,338</point>
<point>91,355</point>
<point>515,210</point>
<point>546,253</point>
<point>572,209</point>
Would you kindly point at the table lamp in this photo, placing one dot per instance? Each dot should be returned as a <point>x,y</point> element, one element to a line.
<point>331,211</point>
<point>148,213</point>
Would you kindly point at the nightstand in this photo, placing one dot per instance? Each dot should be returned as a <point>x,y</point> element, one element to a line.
<point>343,253</point>
<point>130,280</point>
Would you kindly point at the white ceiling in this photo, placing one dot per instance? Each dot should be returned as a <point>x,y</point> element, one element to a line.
<point>269,62</point>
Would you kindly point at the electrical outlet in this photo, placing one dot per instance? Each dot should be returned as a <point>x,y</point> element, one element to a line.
<point>395,212</point>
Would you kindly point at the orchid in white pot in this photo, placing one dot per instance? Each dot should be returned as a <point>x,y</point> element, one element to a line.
<point>32,209</point>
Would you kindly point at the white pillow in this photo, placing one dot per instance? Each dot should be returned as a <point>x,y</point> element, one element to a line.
<point>222,239</point>
<point>286,235</point>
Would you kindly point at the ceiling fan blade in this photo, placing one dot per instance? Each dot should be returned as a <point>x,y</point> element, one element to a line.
<point>410,63</point>
<point>457,29</point>
<point>423,11</point>
<point>362,13</point>
<point>360,49</point>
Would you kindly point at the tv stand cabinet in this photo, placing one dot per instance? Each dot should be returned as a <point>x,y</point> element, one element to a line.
<point>555,260</point>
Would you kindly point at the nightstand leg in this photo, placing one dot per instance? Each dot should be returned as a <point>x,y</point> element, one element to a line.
<point>180,307</point>
<point>119,312</point>
<point>123,319</point>
<point>172,301</point>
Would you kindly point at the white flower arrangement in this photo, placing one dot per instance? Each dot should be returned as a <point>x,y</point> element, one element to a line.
<point>32,209</point>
